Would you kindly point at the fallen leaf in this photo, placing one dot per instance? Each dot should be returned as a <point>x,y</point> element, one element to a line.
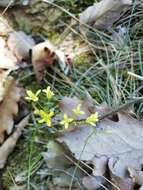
<point>44,55</point>
<point>103,14</point>
<point>113,147</point>
<point>63,178</point>
<point>19,44</point>
<point>8,60</point>
<point>136,175</point>
<point>9,108</point>
<point>60,167</point>
<point>93,182</point>
<point>67,105</point>
<point>4,26</point>
<point>55,157</point>
<point>4,76</point>
<point>10,143</point>
<point>121,183</point>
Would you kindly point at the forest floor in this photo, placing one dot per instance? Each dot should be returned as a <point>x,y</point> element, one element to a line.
<point>110,74</point>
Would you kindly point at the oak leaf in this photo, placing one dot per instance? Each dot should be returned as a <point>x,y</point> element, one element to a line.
<point>114,148</point>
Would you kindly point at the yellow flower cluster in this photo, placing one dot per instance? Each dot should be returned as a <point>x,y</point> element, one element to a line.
<point>77,111</point>
<point>48,92</point>
<point>66,121</point>
<point>92,119</point>
<point>46,117</point>
<point>31,96</point>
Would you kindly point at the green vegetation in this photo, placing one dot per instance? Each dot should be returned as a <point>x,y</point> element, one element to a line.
<point>103,73</point>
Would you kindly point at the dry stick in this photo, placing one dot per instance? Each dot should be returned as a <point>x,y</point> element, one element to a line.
<point>82,169</point>
<point>82,162</point>
<point>7,7</point>
<point>122,107</point>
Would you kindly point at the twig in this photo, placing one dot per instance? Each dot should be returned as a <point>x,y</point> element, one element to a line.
<point>7,7</point>
<point>122,107</point>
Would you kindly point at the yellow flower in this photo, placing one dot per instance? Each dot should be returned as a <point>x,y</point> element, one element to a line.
<point>31,96</point>
<point>77,111</point>
<point>37,112</point>
<point>93,119</point>
<point>46,117</point>
<point>48,92</point>
<point>66,121</point>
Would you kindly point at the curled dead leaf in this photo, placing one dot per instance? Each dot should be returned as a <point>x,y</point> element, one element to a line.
<point>10,143</point>
<point>19,44</point>
<point>3,78</point>
<point>9,108</point>
<point>43,55</point>
<point>103,14</point>
<point>136,175</point>
<point>4,27</point>
<point>8,60</point>
<point>94,182</point>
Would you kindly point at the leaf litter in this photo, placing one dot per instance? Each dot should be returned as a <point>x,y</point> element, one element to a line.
<point>108,156</point>
<point>113,148</point>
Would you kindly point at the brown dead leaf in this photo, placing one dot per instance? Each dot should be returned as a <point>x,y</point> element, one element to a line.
<point>4,27</point>
<point>102,15</point>
<point>43,55</point>
<point>3,78</point>
<point>136,175</point>
<point>9,108</point>
<point>93,182</point>
<point>10,143</point>
<point>113,147</point>
<point>8,60</point>
<point>120,183</point>
<point>19,44</point>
